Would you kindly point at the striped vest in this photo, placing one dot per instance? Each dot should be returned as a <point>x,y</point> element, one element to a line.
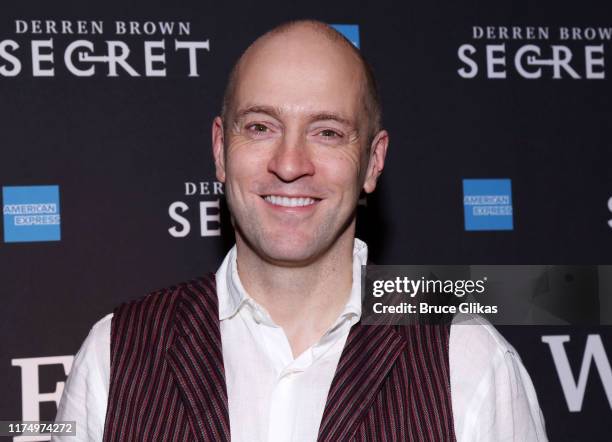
<point>167,380</point>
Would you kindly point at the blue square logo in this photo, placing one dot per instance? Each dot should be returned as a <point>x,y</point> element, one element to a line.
<point>351,32</point>
<point>31,213</point>
<point>487,204</point>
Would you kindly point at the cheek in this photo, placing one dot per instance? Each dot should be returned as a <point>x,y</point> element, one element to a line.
<point>244,163</point>
<point>340,170</point>
<point>246,167</point>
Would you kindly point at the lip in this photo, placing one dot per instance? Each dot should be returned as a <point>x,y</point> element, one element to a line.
<point>290,195</point>
<point>293,209</point>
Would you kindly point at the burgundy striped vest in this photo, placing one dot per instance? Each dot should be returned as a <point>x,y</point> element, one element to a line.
<point>167,380</point>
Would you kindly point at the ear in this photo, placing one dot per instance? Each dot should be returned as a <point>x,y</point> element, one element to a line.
<point>218,148</point>
<point>378,152</point>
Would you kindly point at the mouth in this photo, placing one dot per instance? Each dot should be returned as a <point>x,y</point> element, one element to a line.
<point>287,201</point>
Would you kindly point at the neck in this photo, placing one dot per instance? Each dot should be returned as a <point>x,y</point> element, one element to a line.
<point>303,300</point>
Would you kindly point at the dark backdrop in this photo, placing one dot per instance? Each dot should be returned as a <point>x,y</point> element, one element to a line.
<point>121,149</point>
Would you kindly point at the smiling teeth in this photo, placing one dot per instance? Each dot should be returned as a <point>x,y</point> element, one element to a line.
<point>289,202</point>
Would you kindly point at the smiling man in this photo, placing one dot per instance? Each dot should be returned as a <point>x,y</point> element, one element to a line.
<point>271,347</point>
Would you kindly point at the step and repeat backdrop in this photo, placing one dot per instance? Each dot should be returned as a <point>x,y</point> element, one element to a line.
<point>500,117</point>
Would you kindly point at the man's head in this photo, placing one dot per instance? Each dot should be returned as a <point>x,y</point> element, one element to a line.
<point>371,98</point>
<point>298,140</point>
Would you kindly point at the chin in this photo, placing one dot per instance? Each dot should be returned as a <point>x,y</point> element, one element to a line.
<point>284,244</point>
<point>290,250</point>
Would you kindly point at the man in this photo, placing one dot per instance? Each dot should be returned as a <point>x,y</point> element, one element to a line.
<point>270,348</point>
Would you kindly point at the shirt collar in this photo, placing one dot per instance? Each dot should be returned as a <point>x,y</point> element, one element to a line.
<point>232,295</point>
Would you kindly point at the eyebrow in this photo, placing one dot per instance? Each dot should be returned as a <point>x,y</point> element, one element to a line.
<point>323,116</point>
<point>276,112</point>
<point>268,110</point>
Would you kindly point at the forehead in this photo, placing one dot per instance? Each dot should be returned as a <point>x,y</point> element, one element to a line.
<point>300,71</point>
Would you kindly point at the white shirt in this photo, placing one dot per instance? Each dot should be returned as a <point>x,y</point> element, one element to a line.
<point>273,397</point>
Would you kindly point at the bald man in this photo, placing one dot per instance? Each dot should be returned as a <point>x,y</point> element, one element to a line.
<point>271,347</point>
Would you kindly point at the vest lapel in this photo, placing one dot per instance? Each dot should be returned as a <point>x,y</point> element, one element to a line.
<point>367,358</point>
<point>195,359</point>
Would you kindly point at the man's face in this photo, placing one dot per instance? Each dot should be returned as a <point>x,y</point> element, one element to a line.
<point>295,159</point>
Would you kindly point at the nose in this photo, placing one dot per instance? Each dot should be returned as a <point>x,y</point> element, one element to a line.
<point>292,159</point>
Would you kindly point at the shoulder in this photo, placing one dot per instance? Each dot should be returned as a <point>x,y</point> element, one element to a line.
<point>477,353</point>
<point>99,335</point>
<point>164,300</point>
<point>95,348</point>
<point>148,321</point>
<point>477,336</point>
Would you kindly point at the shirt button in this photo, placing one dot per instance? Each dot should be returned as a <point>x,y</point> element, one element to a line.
<point>256,315</point>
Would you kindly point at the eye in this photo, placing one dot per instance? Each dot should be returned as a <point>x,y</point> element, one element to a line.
<point>257,127</point>
<point>328,133</point>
